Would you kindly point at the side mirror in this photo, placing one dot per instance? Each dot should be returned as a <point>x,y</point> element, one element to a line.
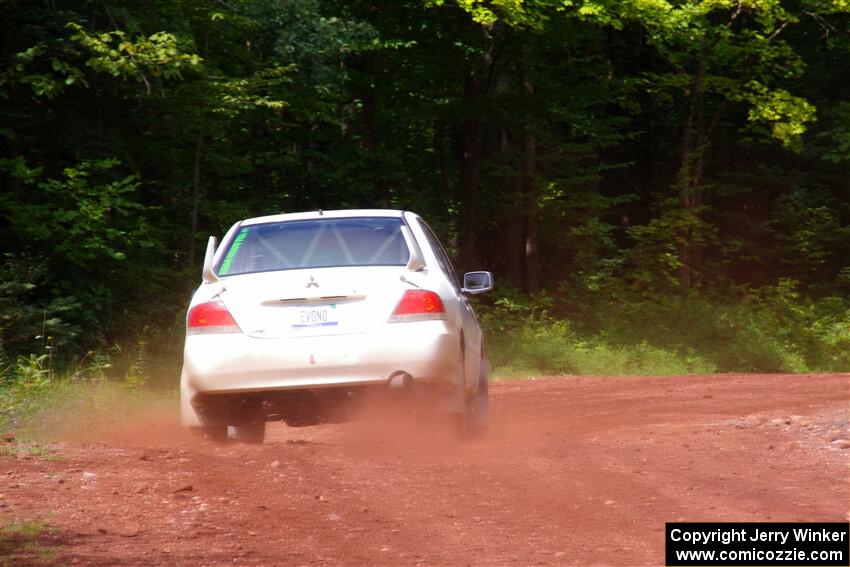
<point>477,282</point>
<point>207,273</point>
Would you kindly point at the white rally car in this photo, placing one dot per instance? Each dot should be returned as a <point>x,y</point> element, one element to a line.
<point>300,313</point>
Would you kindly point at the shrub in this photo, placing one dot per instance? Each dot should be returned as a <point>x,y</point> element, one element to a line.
<point>773,329</point>
<point>36,401</point>
<point>524,338</point>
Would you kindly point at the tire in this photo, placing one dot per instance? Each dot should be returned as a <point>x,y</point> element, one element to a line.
<point>458,420</point>
<point>472,422</point>
<point>478,409</point>
<point>215,433</point>
<point>250,433</point>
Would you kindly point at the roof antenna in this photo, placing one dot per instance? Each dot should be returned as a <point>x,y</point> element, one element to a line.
<point>321,212</point>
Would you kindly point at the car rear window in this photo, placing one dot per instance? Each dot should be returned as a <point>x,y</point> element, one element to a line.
<point>317,243</point>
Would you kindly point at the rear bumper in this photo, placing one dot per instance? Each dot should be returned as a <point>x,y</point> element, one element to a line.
<point>231,363</point>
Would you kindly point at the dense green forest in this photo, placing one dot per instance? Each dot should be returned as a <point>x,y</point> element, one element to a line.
<point>658,185</point>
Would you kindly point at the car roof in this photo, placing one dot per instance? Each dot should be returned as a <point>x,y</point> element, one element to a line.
<point>342,213</point>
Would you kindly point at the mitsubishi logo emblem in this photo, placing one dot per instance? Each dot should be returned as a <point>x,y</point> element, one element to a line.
<point>312,282</point>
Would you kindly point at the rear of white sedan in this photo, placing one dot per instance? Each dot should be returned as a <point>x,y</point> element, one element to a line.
<point>300,314</point>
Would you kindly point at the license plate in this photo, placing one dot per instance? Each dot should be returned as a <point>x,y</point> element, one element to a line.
<point>315,316</point>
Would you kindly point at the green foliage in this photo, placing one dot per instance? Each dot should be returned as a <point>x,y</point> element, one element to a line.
<point>773,329</point>
<point>23,542</point>
<point>88,216</point>
<point>28,319</point>
<point>29,528</point>
<point>838,138</point>
<point>808,223</point>
<point>83,224</point>
<point>524,338</point>
<point>586,143</point>
<point>32,449</point>
<point>787,115</point>
<point>138,372</point>
<point>487,13</point>
<point>651,264</point>
<point>46,70</point>
<point>738,43</point>
<point>157,55</point>
<point>40,403</point>
<point>23,386</point>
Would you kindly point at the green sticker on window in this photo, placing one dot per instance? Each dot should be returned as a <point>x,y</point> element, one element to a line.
<point>234,248</point>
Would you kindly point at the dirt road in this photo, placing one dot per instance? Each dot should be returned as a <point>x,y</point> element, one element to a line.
<point>575,471</point>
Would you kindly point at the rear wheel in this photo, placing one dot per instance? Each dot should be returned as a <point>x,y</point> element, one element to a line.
<point>252,433</point>
<point>458,420</point>
<point>459,425</point>
<point>214,433</point>
<point>478,408</point>
<point>471,422</point>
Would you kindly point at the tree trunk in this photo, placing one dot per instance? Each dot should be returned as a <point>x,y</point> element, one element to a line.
<point>370,130</point>
<point>514,243</point>
<point>196,170</point>
<point>442,143</point>
<point>196,192</point>
<point>684,186</point>
<point>261,172</point>
<point>469,177</point>
<point>480,77</point>
<point>529,189</point>
<point>370,134</point>
<point>690,173</point>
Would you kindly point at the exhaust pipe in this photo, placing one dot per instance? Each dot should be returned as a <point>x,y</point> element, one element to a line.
<point>400,381</point>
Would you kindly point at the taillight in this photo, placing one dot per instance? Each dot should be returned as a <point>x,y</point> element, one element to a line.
<point>418,305</point>
<point>211,317</point>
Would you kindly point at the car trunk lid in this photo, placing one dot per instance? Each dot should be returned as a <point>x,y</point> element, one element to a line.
<point>312,302</point>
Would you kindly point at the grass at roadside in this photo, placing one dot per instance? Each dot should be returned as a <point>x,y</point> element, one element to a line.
<point>768,330</point>
<point>598,359</point>
<point>26,542</point>
<point>772,331</point>
<point>540,344</point>
<point>59,408</point>
<point>33,449</point>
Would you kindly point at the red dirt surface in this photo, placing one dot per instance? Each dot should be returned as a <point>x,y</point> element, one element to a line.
<point>575,471</point>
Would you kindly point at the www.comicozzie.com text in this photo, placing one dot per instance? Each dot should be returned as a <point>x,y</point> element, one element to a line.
<point>726,536</point>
